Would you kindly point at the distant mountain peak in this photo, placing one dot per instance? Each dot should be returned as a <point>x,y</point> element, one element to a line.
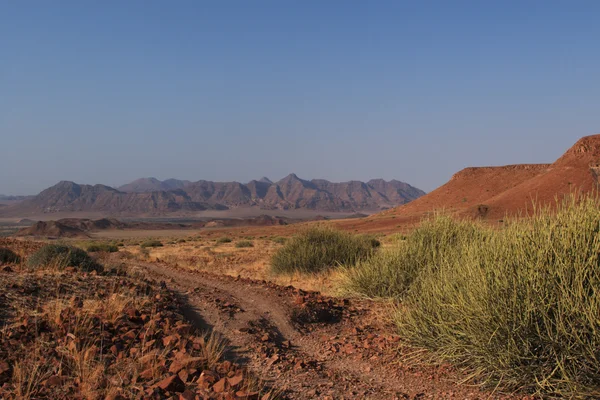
<point>152,196</point>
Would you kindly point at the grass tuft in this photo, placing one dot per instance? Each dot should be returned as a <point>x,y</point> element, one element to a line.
<point>151,243</point>
<point>518,306</point>
<point>244,243</point>
<point>61,256</point>
<point>317,249</point>
<point>102,247</point>
<point>7,256</point>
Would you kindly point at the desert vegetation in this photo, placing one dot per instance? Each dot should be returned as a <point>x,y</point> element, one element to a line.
<point>518,306</point>
<point>102,247</point>
<point>318,248</point>
<point>8,256</point>
<point>151,243</point>
<point>61,256</point>
<point>73,334</point>
<point>244,244</point>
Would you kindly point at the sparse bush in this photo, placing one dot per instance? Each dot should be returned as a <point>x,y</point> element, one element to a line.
<point>8,256</point>
<point>102,247</point>
<point>61,256</point>
<point>279,239</point>
<point>244,243</point>
<point>151,243</point>
<point>181,241</point>
<point>144,252</point>
<point>224,240</point>
<point>391,272</point>
<point>518,306</point>
<point>317,249</point>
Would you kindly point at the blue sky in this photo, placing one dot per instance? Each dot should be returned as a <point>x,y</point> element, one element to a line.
<point>106,92</point>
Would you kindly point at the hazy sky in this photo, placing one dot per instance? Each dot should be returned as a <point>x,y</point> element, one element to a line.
<point>109,91</point>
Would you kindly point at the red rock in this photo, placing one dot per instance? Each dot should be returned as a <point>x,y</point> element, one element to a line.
<point>220,386</point>
<point>132,334</point>
<point>299,365</point>
<point>236,380</point>
<point>187,395</point>
<point>273,360</point>
<point>184,375</point>
<point>168,340</point>
<point>224,367</point>
<point>172,384</point>
<point>175,367</point>
<point>206,379</point>
<point>265,338</point>
<point>147,374</point>
<point>4,367</point>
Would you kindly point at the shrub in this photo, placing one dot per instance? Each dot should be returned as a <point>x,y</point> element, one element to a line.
<point>391,272</point>
<point>224,240</point>
<point>518,306</point>
<point>317,249</point>
<point>63,256</point>
<point>8,256</point>
<point>151,243</point>
<point>181,241</point>
<point>244,243</point>
<point>102,247</point>
<point>279,239</point>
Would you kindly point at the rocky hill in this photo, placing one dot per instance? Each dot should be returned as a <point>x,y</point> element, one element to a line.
<point>150,196</point>
<point>491,193</point>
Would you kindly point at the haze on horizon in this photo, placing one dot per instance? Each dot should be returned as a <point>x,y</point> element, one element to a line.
<point>113,91</point>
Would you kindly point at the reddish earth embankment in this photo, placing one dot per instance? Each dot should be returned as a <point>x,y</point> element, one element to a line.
<point>491,193</point>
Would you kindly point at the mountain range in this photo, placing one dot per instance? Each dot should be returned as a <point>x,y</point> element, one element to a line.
<point>150,196</point>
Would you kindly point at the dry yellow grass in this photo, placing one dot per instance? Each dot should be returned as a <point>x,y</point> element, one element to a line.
<point>227,259</point>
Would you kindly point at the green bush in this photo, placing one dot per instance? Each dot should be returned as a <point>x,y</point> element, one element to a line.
<point>8,256</point>
<point>102,247</point>
<point>517,306</point>
<point>61,256</point>
<point>151,243</point>
<point>279,239</point>
<point>244,243</point>
<point>390,272</point>
<point>317,249</point>
<point>224,240</point>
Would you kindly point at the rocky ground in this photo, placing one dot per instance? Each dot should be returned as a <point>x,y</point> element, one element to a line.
<point>151,330</point>
<point>67,334</point>
<point>311,346</point>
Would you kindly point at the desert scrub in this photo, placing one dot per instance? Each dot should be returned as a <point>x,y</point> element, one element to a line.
<point>224,240</point>
<point>317,249</point>
<point>244,243</point>
<point>102,247</point>
<point>391,272</point>
<point>8,256</point>
<point>279,239</point>
<point>517,306</point>
<point>151,243</point>
<point>61,256</point>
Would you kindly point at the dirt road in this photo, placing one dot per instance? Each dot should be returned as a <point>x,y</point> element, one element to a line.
<point>310,346</point>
